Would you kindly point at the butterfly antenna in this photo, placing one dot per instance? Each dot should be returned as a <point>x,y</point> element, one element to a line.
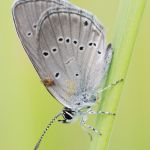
<point>45,130</point>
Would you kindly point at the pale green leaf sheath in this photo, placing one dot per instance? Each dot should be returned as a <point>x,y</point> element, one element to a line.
<point>125,33</point>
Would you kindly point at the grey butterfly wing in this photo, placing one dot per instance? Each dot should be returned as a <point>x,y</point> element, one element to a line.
<point>26,14</point>
<point>95,74</point>
<point>92,54</point>
<point>65,36</point>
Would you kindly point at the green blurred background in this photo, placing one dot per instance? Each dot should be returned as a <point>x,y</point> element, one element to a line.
<point>26,107</point>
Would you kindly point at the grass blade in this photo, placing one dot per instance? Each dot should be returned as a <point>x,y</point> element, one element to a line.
<point>125,33</point>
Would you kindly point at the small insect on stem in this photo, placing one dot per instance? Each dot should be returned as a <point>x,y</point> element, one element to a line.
<point>48,82</point>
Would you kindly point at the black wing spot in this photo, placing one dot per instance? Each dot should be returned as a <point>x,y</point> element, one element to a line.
<point>54,50</point>
<point>81,48</point>
<point>67,40</point>
<point>94,44</point>
<point>60,39</point>
<point>29,34</point>
<point>90,44</point>
<point>34,26</point>
<point>75,42</point>
<point>86,23</point>
<point>45,53</point>
<point>77,74</point>
<point>57,75</point>
<point>99,52</point>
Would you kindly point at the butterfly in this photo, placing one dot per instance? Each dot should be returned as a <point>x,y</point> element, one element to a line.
<point>67,47</point>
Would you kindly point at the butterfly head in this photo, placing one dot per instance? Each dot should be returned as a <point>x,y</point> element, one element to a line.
<point>83,102</point>
<point>68,115</point>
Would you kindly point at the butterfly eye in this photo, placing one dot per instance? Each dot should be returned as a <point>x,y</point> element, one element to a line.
<point>57,75</point>
<point>45,53</point>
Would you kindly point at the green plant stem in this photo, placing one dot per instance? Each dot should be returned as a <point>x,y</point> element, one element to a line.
<point>125,33</point>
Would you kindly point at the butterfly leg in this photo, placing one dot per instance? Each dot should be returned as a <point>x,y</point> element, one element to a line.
<point>111,85</point>
<point>91,112</point>
<point>102,90</point>
<point>63,121</point>
<point>88,127</point>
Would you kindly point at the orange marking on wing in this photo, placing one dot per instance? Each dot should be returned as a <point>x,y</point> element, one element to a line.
<point>48,82</point>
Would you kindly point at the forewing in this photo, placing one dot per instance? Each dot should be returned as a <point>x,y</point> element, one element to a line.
<point>26,14</point>
<point>72,49</point>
